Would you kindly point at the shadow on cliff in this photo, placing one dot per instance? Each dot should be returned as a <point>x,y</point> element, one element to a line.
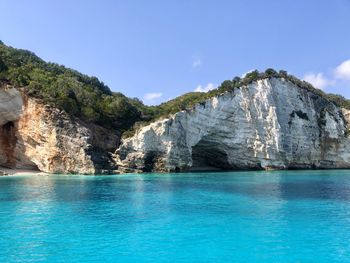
<point>8,141</point>
<point>12,148</point>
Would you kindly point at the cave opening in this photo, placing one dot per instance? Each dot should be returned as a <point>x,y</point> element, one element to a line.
<point>8,141</point>
<point>209,156</point>
<point>151,159</point>
<point>8,146</point>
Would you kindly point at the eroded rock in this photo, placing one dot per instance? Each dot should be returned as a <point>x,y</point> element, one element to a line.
<point>269,124</point>
<point>37,136</point>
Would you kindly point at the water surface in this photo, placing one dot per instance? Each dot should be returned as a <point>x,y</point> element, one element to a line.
<point>279,216</point>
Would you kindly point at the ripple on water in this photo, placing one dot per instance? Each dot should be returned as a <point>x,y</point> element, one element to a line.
<point>279,216</point>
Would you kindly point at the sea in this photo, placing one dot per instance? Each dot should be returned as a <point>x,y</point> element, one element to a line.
<point>250,216</point>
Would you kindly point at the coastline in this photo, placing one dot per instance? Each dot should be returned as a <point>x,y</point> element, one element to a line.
<point>10,172</point>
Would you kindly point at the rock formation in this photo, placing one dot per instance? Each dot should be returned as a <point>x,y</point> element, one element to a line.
<point>38,136</point>
<point>271,123</point>
<point>268,124</point>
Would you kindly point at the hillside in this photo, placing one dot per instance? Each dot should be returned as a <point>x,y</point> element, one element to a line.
<point>91,100</point>
<point>57,120</point>
<point>79,95</point>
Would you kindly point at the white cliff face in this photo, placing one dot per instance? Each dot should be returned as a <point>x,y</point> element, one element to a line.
<point>270,123</point>
<point>38,136</point>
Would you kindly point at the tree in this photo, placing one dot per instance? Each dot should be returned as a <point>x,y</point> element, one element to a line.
<point>226,85</point>
<point>236,79</point>
<point>283,73</point>
<point>3,66</point>
<point>271,73</point>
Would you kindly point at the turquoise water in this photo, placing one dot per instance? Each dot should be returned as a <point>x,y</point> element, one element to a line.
<point>289,216</point>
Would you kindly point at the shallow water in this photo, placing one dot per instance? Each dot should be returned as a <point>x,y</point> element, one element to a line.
<point>279,216</point>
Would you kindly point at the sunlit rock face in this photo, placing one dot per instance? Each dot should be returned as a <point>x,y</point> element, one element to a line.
<point>37,136</point>
<point>270,123</point>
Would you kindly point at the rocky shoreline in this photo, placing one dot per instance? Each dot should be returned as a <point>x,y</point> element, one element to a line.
<point>9,172</point>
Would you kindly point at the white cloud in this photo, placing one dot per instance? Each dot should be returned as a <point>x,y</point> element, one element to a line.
<point>153,95</point>
<point>196,63</point>
<point>318,80</point>
<point>343,70</point>
<point>339,75</point>
<point>208,87</point>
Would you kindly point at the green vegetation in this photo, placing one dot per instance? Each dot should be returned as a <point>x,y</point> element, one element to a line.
<point>188,100</point>
<point>79,95</point>
<point>91,100</point>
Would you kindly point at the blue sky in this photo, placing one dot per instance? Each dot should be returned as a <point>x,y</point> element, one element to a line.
<point>157,50</point>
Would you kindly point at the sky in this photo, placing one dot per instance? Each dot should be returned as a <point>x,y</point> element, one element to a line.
<point>159,49</point>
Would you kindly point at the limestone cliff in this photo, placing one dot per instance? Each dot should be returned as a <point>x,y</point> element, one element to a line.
<point>38,136</point>
<point>270,123</point>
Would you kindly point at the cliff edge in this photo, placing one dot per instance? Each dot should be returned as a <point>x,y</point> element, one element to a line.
<point>268,124</point>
